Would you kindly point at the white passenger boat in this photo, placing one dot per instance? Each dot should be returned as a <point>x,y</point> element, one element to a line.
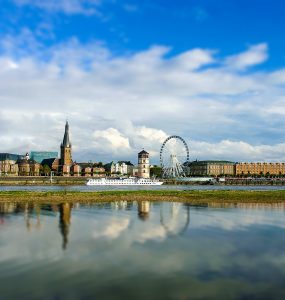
<point>123,181</point>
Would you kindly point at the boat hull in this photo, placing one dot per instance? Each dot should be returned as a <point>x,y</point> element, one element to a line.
<point>122,182</point>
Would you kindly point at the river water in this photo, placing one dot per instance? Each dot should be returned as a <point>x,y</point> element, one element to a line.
<point>84,188</point>
<point>141,250</point>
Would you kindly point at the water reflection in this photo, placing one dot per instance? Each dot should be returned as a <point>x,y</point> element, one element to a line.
<point>64,222</point>
<point>172,220</point>
<point>225,253</point>
<point>29,210</point>
<point>143,210</point>
<point>115,220</point>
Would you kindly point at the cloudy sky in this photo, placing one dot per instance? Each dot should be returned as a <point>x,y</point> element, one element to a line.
<point>129,73</point>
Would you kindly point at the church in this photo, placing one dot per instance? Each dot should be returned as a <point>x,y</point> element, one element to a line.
<point>66,162</point>
<point>65,166</point>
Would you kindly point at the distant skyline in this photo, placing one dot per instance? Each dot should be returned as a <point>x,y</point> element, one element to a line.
<point>127,74</point>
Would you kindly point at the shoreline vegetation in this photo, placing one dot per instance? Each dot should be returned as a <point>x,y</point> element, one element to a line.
<point>191,197</point>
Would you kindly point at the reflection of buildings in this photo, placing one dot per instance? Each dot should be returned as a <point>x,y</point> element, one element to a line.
<point>64,222</point>
<point>28,210</point>
<point>143,210</point>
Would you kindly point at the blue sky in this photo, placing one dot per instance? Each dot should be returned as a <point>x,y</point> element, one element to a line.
<point>211,71</point>
<point>227,25</point>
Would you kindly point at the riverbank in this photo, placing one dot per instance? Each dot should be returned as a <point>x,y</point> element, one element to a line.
<point>81,181</point>
<point>191,197</point>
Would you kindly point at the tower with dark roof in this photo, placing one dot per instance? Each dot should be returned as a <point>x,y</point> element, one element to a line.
<point>143,164</point>
<point>66,149</point>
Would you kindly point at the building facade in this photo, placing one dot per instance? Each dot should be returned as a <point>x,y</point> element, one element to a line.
<point>28,167</point>
<point>260,168</point>
<point>210,168</point>
<point>9,168</point>
<point>143,164</point>
<point>120,168</point>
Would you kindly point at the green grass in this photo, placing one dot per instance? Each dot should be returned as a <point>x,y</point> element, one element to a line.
<point>195,197</point>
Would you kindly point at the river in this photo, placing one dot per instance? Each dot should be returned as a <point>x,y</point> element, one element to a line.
<point>141,250</point>
<point>85,188</point>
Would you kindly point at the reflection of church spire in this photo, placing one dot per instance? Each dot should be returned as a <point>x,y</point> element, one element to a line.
<point>143,210</point>
<point>64,222</point>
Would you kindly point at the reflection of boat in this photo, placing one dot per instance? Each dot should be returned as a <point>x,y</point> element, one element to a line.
<point>123,181</point>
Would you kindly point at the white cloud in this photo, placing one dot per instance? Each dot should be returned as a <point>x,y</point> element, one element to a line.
<point>255,55</point>
<point>69,7</point>
<point>111,137</point>
<point>113,229</point>
<point>243,151</point>
<point>117,105</point>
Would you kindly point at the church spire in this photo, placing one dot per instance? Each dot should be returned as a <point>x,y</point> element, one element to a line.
<point>66,141</point>
<point>66,150</point>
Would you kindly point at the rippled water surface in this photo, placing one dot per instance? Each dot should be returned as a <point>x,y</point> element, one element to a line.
<point>84,188</point>
<point>141,250</point>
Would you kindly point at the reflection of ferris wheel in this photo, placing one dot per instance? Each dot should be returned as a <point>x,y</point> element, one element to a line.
<point>175,218</point>
<point>174,153</point>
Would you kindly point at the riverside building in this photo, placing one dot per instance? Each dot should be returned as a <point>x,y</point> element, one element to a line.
<point>210,168</point>
<point>260,168</point>
<point>143,164</point>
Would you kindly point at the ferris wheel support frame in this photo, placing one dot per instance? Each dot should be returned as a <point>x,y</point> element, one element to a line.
<point>176,169</point>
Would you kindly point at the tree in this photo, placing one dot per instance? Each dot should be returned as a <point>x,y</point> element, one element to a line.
<point>156,171</point>
<point>46,170</point>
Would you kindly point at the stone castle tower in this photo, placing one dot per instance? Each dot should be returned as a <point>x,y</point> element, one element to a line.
<point>143,164</point>
<point>66,151</point>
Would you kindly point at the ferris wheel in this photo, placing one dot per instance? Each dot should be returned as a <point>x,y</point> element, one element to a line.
<point>174,153</point>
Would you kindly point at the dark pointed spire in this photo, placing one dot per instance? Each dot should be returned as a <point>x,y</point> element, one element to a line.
<point>66,141</point>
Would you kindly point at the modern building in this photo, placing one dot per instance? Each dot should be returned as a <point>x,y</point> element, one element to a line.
<point>260,168</point>
<point>10,156</point>
<point>210,168</point>
<point>143,164</point>
<point>39,156</point>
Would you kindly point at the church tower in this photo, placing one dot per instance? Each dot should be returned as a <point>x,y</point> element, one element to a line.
<point>65,149</point>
